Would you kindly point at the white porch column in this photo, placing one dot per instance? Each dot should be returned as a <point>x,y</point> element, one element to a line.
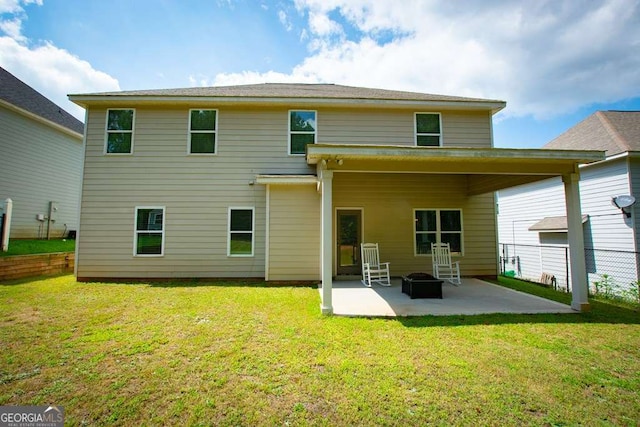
<point>579,283</point>
<point>326,179</point>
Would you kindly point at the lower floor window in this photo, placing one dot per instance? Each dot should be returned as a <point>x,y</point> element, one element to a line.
<point>241,225</point>
<point>437,226</point>
<point>149,233</point>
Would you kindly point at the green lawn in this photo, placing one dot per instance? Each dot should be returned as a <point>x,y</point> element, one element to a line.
<point>189,353</point>
<point>29,247</point>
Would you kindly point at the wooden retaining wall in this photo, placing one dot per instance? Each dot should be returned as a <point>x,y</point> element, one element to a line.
<point>16,267</point>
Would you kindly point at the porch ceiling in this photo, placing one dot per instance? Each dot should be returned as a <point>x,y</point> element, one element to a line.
<point>487,170</point>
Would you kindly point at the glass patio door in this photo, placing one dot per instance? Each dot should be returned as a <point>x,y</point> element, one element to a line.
<point>348,227</point>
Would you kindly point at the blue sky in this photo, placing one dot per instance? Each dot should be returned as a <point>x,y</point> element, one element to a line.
<point>555,62</point>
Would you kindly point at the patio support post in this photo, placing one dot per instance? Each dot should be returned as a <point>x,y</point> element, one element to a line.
<point>326,178</point>
<point>579,283</point>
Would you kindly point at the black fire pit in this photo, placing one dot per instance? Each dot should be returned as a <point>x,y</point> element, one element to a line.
<point>422,285</point>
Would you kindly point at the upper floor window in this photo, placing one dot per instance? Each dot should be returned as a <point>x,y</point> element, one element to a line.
<point>428,130</point>
<point>149,233</point>
<point>437,226</point>
<point>119,138</point>
<point>202,131</point>
<point>302,130</point>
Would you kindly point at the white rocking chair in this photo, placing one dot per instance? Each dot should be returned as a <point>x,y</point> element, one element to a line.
<point>443,268</point>
<point>372,269</point>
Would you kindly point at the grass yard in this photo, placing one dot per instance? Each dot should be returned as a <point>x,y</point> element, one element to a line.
<point>37,246</point>
<point>231,354</point>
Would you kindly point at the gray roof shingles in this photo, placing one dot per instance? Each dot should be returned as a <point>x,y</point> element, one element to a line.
<point>612,131</point>
<point>16,92</point>
<point>294,90</point>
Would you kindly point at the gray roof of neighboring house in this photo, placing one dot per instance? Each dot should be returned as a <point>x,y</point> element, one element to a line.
<point>294,90</point>
<point>612,131</point>
<point>21,95</point>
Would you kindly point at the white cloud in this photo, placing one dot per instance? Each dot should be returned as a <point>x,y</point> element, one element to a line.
<point>54,72</point>
<point>284,20</point>
<point>13,28</point>
<point>250,77</point>
<point>322,25</point>
<point>544,58</point>
<point>14,14</point>
<point>15,6</point>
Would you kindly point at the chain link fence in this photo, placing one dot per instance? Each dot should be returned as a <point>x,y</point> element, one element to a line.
<point>610,272</point>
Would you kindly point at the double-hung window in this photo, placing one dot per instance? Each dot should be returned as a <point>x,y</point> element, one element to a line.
<point>428,130</point>
<point>202,131</point>
<point>241,232</point>
<point>149,231</point>
<point>437,226</point>
<point>302,130</point>
<point>119,139</point>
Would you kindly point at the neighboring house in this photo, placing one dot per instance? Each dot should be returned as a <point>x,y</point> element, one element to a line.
<point>40,161</point>
<point>532,221</point>
<point>284,181</point>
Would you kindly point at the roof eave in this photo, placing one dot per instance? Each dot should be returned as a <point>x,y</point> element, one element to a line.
<point>106,100</point>
<point>41,119</point>
<point>317,152</point>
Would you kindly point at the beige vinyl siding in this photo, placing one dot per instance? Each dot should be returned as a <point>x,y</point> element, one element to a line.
<point>196,191</point>
<point>388,201</point>
<point>467,129</point>
<point>294,232</point>
<point>393,127</point>
<point>38,164</point>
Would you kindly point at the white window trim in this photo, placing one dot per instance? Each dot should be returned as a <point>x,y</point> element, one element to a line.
<point>106,132</point>
<point>190,132</point>
<point>415,128</point>
<point>290,132</point>
<point>438,229</point>
<point>253,230</point>
<point>136,231</point>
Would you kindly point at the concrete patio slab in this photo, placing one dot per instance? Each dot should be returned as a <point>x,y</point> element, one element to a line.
<point>474,296</point>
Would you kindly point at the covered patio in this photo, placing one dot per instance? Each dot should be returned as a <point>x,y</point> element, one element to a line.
<point>473,296</point>
<point>476,173</point>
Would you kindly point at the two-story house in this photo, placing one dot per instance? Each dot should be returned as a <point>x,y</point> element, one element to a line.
<point>283,182</point>
<point>40,161</point>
